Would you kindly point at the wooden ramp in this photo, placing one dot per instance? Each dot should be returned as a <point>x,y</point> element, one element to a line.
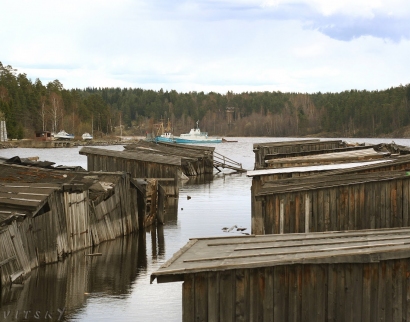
<point>223,162</point>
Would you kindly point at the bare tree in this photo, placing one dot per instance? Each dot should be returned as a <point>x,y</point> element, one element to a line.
<point>56,111</point>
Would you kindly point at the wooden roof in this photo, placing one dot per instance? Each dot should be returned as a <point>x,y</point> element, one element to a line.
<point>295,142</point>
<point>315,168</point>
<point>132,155</point>
<point>267,144</point>
<point>223,253</point>
<point>327,181</point>
<point>173,150</point>
<point>24,198</point>
<point>344,156</point>
<point>187,147</point>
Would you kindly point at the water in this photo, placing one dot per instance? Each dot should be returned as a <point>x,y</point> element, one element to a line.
<point>116,286</point>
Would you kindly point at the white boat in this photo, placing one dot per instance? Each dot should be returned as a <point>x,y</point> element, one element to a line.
<point>63,135</point>
<point>87,136</point>
<point>196,136</point>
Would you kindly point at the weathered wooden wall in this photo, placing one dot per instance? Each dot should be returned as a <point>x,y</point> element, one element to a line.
<point>137,165</point>
<point>261,150</point>
<point>332,203</point>
<point>43,223</point>
<point>195,160</point>
<point>376,291</point>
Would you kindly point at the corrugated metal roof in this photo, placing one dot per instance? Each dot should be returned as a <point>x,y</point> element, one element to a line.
<point>218,254</point>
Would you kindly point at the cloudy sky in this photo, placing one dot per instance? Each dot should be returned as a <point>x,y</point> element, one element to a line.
<point>210,45</point>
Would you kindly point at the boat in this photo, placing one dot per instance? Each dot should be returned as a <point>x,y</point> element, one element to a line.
<point>63,135</point>
<point>87,136</point>
<point>196,136</point>
<point>164,134</point>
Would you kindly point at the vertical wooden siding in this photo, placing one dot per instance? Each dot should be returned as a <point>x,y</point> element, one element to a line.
<point>288,147</point>
<point>312,292</point>
<point>366,205</point>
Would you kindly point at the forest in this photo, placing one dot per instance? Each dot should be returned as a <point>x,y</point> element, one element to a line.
<point>29,107</point>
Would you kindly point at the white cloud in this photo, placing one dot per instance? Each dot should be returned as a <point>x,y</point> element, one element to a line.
<point>209,45</point>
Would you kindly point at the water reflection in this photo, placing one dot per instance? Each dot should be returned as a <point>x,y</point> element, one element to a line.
<point>61,290</point>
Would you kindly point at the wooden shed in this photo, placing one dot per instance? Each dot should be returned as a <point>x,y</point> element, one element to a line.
<point>195,160</point>
<point>357,155</point>
<point>297,177</point>
<point>265,151</point>
<point>138,165</point>
<point>333,276</point>
<point>332,202</point>
<point>51,213</point>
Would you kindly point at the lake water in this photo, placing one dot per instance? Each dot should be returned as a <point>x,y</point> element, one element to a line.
<point>116,286</point>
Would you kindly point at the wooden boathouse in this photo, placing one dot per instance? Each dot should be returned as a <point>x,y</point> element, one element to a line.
<point>46,214</point>
<point>265,151</point>
<point>138,165</point>
<point>195,160</point>
<point>332,276</point>
<point>330,197</point>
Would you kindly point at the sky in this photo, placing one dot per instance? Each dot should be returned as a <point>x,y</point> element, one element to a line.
<point>305,46</point>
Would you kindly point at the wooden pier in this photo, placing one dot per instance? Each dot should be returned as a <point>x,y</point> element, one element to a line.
<point>333,276</point>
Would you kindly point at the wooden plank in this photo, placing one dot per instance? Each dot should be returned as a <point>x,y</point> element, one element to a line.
<point>291,215</point>
<point>314,223</point>
<point>297,214</point>
<point>348,292</point>
<point>227,296</point>
<point>188,298</point>
<point>344,209</point>
<point>295,294</point>
<point>406,204</point>
<point>332,299</point>
<point>282,217</point>
<point>213,296</point>
<point>357,291</point>
<point>383,207</point>
<point>242,297</point>
<point>288,214</point>
<point>307,212</point>
<point>201,297</point>
<point>406,312</point>
<point>399,202</point>
<point>393,200</point>
<point>269,295</point>
<point>383,292</point>
<point>397,292</point>
<point>326,210</point>
<point>280,294</point>
<point>320,211</point>
<point>257,292</point>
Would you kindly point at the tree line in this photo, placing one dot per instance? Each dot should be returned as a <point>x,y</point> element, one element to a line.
<point>29,107</point>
